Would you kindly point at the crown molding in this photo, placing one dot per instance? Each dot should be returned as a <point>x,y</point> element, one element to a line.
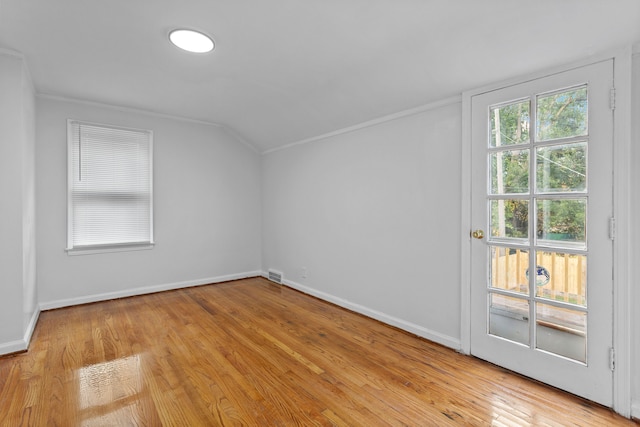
<point>10,52</point>
<point>124,109</point>
<point>370,123</point>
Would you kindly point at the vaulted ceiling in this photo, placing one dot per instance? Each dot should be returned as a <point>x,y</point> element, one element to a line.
<point>288,70</point>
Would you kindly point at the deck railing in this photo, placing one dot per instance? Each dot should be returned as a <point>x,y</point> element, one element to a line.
<point>567,274</point>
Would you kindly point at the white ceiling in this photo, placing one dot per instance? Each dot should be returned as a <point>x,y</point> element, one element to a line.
<point>289,70</point>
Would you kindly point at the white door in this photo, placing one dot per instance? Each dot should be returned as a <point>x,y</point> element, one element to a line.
<point>541,256</point>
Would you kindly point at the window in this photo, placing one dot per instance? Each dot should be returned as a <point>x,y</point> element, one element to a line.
<point>110,198</point>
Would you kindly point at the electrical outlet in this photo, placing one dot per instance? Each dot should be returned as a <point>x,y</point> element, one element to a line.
<point>303,272</point>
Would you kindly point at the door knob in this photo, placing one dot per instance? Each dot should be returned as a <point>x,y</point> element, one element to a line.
<point>477,234</point>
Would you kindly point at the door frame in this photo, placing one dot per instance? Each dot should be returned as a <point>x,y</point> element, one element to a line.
<point>622,61</point>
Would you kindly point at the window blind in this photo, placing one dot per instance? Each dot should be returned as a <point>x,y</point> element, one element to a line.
<point>110,186</point>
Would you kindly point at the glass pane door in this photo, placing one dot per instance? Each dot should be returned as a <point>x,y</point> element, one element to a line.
<point>537,203</point>
<point>541,256</point>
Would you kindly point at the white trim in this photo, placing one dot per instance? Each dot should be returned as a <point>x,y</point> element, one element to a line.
<point>31,327</point>
<point>635,410</point>
<point>89,250</point>
<point>23,344</point>
<point>13,347</point>
<point>436,337</point>
<point>607,56</point>
<point>465,230</point>
<point>124,109</point>
<point>635,236</point>
<point>370,123</point>
<point>144,290</point>
<point>622,262</point>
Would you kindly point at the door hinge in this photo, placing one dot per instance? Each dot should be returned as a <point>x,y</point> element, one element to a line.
<point>612,359</point>
<point>612,98</point>
<point>612,228</point>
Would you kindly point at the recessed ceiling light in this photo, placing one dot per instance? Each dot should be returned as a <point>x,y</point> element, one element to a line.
<point>191,41</point>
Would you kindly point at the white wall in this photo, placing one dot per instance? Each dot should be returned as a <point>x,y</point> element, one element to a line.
<point>374,216</point>
<point>206,209</point>
<point>18,309</point>
<point>29,265</point>
<point>635,230</point>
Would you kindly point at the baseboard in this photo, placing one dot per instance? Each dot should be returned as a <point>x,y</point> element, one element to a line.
<point>437,337</point>
<point>635,410</point>
<point>144,290</point>
<point>13,347</point>
<point>23,344</point>
<point>31,327</point>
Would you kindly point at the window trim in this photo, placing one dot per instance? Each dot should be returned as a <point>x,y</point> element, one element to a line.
<point>111,247</point>
<point>103,249</point>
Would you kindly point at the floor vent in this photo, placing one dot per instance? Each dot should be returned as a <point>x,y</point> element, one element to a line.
<point>275,276</point>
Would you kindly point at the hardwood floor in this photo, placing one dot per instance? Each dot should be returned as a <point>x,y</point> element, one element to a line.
<point>253,353</point>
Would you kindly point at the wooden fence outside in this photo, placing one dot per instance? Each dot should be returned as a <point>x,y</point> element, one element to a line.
<point>567,274</point>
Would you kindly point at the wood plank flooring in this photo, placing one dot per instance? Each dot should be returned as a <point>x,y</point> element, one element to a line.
<point>253,353</point>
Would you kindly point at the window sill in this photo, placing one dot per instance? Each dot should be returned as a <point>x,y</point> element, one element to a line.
<point>102,249</point>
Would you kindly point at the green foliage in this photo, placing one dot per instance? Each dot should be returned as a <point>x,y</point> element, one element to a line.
<point>559,168</point>
<point>562,219</point>
<point>512,122</point>
<point>562,168</point>
<point>516,218</point>
<point>562,115</point>
<point>513,167</point>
